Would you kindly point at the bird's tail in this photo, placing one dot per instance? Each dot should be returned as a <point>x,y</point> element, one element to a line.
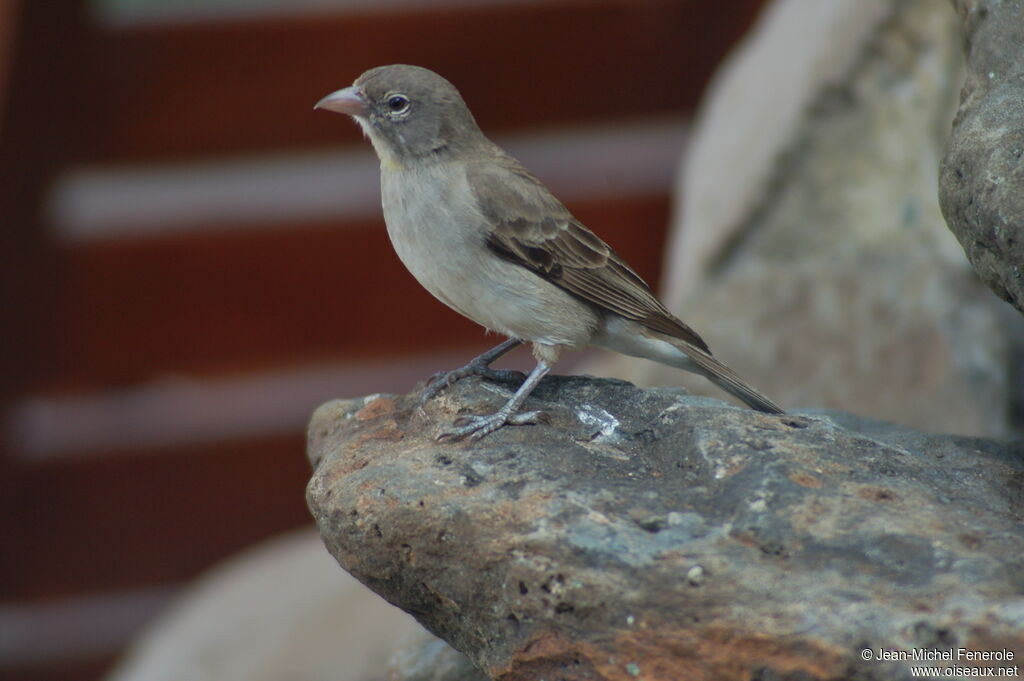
<point>729,381</point>
<point>631,338</point>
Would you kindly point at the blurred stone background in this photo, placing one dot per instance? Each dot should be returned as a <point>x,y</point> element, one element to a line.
<point>808,246</point>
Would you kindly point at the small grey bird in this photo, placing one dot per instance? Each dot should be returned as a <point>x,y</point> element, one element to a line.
<point>490,241</point>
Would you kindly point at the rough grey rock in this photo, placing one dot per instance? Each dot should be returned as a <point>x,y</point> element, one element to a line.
<point>828,277</point>
<point>648,534</point>
<point>982,179</point>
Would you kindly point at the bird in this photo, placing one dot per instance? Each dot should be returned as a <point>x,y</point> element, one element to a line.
<point>489,240</point>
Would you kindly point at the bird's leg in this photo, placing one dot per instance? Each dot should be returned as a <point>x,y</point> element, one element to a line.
<point>479,366</point>
<point>478,426</point>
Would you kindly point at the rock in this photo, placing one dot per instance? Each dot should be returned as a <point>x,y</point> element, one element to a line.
<point>279,610</point>
<point>425,657</point>
<point>756,110</point>
<point>649,534</point>
<point>809,249</point>
<point>982,180</point>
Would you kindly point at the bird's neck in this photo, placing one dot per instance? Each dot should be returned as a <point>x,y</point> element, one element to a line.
<point>446,153</point>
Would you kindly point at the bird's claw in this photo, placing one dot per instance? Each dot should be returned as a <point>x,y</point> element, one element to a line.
<point>477,427</point>
<point>437,383</point>
<point>445,379</point>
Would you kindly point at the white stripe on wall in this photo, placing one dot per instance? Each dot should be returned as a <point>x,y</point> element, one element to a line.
<point>78,627</point>
<point>128,13</point>
<point>637,157</point>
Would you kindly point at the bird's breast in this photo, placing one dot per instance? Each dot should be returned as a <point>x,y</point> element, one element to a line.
<point>439,234</point>
<point>427,221</point>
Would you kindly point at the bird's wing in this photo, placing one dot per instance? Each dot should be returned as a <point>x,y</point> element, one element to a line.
<point>530,227</point>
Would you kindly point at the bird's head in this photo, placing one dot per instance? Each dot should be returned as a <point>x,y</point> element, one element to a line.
<point>409,113</point>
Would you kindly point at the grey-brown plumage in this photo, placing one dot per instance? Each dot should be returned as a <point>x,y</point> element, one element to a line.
<point>529,227</point>
<point>489,240</point>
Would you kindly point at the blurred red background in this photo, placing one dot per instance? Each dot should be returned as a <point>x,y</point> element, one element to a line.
<point>193,258</point>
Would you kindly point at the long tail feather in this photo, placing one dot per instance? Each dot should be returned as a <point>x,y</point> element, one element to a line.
<point>729,381</point>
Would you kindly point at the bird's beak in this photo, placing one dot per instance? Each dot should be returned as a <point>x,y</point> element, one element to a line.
<point>348,100</point>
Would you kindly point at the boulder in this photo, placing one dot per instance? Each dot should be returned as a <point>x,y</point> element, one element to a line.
<point>652,534</point>
<point>982,180</point>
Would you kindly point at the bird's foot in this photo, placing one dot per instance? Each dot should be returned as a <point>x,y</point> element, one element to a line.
<point>476,427</point>
<point>445,379</point>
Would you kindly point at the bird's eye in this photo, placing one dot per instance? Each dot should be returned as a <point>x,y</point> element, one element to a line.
<point>398,104</point>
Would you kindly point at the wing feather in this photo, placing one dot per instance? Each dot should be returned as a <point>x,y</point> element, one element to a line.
<point>531,228</point>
